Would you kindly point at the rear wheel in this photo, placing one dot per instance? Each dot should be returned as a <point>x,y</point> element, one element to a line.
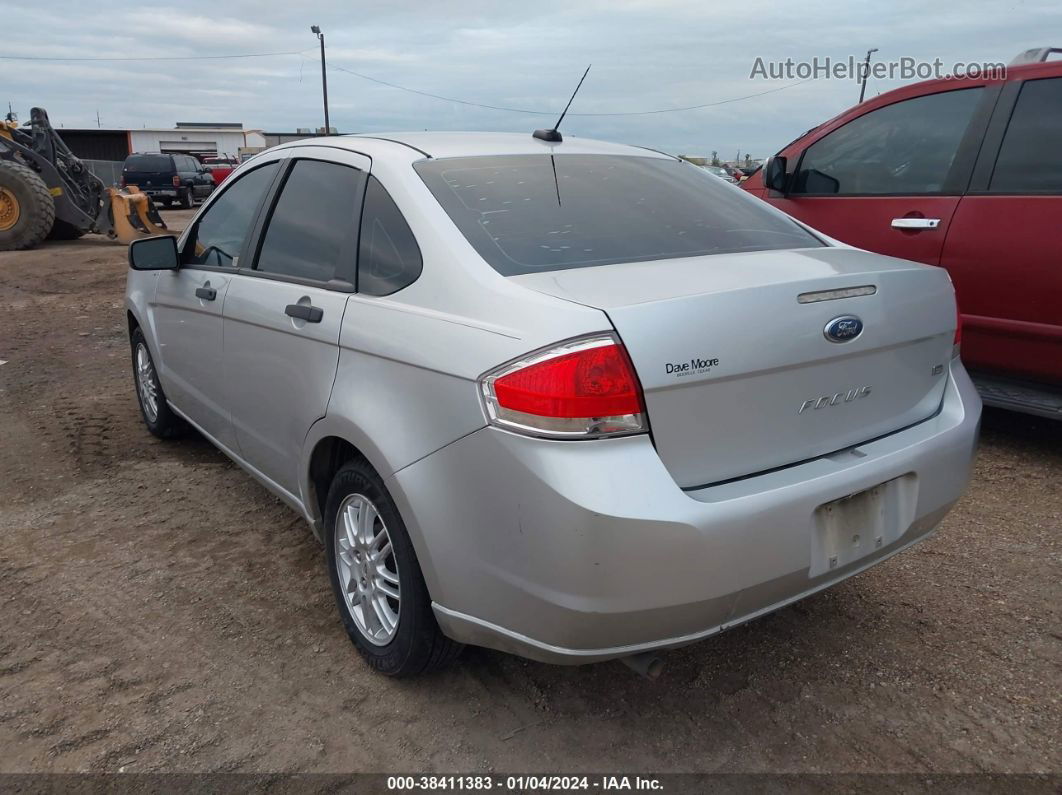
<point>27,209</point>
<point>187,202</point>
<point>379,589</point>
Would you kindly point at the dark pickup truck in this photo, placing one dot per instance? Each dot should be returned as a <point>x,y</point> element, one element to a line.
<point>168,179</point>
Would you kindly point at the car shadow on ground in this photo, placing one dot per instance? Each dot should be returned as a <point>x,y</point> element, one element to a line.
<point>1039,435</point>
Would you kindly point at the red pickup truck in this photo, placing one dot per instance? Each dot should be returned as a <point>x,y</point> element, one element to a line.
<point>220,167</point>
<point>961,173</point>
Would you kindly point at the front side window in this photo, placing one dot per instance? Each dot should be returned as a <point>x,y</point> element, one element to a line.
<point>532,213</point>
<point>222,229</point>
<point>906,148</point>
<point>1030,160</point>
<point>388,255</point>
<point>312,230</point>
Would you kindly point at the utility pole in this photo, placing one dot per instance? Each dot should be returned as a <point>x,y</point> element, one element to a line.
<point>866,73</point>
<point>316,29</point>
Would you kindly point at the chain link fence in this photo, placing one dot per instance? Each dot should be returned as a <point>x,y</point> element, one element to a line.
<point>110,171</point>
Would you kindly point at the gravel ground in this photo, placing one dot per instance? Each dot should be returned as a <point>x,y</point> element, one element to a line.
<point>162,612</point>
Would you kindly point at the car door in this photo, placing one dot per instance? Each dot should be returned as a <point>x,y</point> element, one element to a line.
<point>1004,250</point>
<point>283,315</point>
<point>187,308</point>
<point>889,180</point>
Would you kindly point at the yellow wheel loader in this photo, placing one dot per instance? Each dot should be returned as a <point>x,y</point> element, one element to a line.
<point>45,191</point>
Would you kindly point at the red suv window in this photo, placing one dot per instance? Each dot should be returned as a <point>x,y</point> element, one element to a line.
<point>904,148</point>
<point>1030,160</point>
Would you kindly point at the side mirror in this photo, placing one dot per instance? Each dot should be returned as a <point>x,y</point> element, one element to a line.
<point>774,173</point>
<point>154,254</point>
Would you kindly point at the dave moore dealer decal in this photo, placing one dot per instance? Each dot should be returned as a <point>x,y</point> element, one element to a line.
<point>694,366</point>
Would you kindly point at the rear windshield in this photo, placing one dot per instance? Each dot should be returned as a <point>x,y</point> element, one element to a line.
<point>148,163</point>
<point>533,213</point>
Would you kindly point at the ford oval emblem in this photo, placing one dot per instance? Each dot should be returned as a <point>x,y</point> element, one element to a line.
<point>843,329</point>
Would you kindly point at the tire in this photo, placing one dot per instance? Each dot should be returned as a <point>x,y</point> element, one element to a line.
<point>159,419</point>
<point>415,645</point>
<point>187,200</point>
<point>27,209</point>
<point>61,230</point>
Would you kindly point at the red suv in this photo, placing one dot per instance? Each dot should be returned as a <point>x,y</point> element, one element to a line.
<point>965,174</point>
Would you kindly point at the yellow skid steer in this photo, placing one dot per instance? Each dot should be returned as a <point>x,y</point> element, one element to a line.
<point>45,191</point>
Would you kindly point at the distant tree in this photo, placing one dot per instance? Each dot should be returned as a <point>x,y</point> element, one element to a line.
<point>748,161</point>
<point>715,158</point>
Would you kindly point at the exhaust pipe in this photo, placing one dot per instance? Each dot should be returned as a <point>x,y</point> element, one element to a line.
<point>647,664</point>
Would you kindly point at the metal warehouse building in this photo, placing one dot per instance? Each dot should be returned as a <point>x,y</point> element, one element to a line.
<point>203,139</point>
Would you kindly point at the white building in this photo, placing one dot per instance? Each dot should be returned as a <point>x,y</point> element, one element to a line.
<point>197,138</point>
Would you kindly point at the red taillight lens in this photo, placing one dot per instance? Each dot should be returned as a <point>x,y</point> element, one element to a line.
<point>176,181</point>
<point>584,388</point>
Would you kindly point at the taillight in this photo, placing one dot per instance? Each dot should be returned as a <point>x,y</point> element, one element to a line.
<point>176,181</point>
<point>584,388</point>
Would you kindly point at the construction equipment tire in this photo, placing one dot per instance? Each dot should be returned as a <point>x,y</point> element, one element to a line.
<point>27,210</point>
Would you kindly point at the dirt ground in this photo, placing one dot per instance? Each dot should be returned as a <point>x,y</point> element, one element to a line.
<point>162,612</point>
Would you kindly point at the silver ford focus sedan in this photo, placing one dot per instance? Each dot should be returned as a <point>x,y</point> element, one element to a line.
<point>568,399</point>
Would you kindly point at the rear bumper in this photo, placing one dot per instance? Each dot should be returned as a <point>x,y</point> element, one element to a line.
<point>572,552</point>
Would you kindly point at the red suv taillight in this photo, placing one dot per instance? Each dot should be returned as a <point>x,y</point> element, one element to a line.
<point>176,181</point>
<point>584,388</point>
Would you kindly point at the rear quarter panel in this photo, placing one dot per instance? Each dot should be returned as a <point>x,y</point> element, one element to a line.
<point>409,362</point>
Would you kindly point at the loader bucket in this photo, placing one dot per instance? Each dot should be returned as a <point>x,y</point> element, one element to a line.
<point>133,215</point>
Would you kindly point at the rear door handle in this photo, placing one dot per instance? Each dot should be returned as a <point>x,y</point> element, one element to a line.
<point>206,293</point>
<point>915,223</point>
<point>311,314</point>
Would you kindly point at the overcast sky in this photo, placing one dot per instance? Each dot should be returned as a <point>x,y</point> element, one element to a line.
<point>646,55</point>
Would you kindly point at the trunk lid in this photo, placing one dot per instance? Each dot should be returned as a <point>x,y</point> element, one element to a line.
<point>738,374</point>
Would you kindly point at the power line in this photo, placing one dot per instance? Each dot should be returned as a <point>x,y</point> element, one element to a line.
<point>154,57</point>
<point>397,86</point>
<point>552,112</point>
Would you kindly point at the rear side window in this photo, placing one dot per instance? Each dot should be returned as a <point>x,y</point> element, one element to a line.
<point>1030,160</point>
<point>532,213</point>
<point>905,148</point>
<point>388,255</point>
<point>221,230</point>
<point>312,231</point>
<point>149,163</point>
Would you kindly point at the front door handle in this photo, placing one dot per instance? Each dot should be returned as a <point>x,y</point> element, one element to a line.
<point>311,314</point>
<point>915,223</point>
<point>206,293</point>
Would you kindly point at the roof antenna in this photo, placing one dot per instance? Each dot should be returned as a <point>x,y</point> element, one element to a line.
<point>553,135</point>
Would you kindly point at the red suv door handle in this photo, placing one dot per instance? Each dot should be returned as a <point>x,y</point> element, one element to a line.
<point>915,223</point>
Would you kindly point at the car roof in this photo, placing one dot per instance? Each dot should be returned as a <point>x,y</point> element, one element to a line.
<point>474,144</point>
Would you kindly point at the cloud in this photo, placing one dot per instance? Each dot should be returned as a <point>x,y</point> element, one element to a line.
<point>646,55</point>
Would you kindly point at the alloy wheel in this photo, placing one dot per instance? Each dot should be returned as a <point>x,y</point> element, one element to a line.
<point>367,569</point>
<point>145,383</point>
